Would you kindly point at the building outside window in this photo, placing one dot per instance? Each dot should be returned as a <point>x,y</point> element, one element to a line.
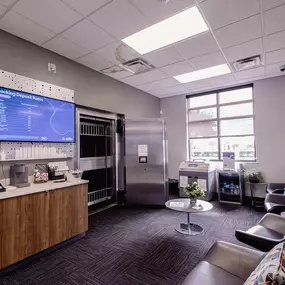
<point>221,121</point>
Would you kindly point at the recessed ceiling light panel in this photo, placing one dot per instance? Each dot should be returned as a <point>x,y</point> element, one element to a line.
<point>171,30</point>
<point>203,73</point>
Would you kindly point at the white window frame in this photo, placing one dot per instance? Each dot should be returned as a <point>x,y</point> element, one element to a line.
<point>218,120</point>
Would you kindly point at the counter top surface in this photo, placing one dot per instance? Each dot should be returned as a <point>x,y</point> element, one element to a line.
<point>37,188</point>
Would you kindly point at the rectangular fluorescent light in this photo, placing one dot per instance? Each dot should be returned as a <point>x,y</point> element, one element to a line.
<point>203,73</point>
<point>171,30</point>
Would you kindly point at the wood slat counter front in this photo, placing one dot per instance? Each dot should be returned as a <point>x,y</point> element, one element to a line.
<point>35,218</point>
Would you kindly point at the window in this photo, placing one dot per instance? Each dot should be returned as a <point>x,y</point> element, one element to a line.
<point>222,121</point>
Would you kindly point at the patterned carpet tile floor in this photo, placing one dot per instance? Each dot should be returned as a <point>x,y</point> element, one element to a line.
<point>133,246</point>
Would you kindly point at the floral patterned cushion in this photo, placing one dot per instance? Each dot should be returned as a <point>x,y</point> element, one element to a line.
<point>271,270</point>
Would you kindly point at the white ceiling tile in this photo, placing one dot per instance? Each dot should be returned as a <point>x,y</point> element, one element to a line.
<point>2,10</point>
<point>244,50</point>
<point>146,77</point>
<point>94,61</point>
<point>274,69</point>
<point>251,79</point>
<point>177,68</point>
<point>54,15</point>
<point>195,85</point>
<point>7,2</point>
<point>208,60</point>
<point>239,32</point>
<point>158,11</point>
<point>86,7</point>
<point>120,19</point>
<point>269,4</point>
<point>274,20</point>
<point>251,73</point>
<point>274,41</point>
<point>275,56</point>
<point>65,47</point>
<point>217,82</point>
<point>24,28</point>
<point>199,45</point>
<point>221,80</point>
<point>88,35</point>
<point>174,90</point>
<point>160,84</point>
<point>117,53</point>
<point>163,56</point>
<point>220,13</point>
<point>120,75</point>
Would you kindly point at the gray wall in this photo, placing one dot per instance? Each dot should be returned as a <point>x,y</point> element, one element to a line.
<point>269,104</point>
<point>91,87</point>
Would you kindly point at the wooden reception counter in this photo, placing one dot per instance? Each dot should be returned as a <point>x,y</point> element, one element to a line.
<point>35,218</point>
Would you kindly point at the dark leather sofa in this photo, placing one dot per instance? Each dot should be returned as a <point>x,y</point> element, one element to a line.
<point>269,231</point>
<point>225,263</point>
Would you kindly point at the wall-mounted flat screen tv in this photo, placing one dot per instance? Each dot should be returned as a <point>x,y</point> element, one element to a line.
<point>28,117</point>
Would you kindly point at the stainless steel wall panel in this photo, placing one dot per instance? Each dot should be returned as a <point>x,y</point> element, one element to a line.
<point>146,183</point>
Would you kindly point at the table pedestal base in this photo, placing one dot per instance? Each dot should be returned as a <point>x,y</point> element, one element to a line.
<point>189,228</point>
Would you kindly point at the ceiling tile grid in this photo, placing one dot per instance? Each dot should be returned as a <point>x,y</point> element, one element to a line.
<point>94,61</point>
<point>208,60</point>
<point>25,28</point>
<point>177,68</point>
<point>269,4</point>
<point>275,56</point>
<point>54,15</point>
<point>97,39</point>
<point>2,9</point>
<point>91,32</point>
<point>120,19</point>
<point>160,84</point>
<point>164,56</point>
<point>221,13</point>
<point>244,50</point>
<point>239,32</point>
<point>274,20</point>
<point>146,77</point>
<point>7,3</point>
<point>274,69</point>
<point>198,45</point>
<point>274,41</point>
<point>86,7</point>
<point>65,47</point>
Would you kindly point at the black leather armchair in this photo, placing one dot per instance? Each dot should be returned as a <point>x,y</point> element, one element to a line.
<point>274,186</point>
<point>266,234</point>
<point>275,202</point>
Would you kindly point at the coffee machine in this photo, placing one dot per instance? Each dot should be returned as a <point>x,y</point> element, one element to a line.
<point>19,175</point>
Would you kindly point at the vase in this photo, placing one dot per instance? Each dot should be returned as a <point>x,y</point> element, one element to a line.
<point>193,202</point>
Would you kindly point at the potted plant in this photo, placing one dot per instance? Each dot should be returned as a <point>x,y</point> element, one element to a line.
<point>254,176</point>
<point>256,186</point>
<point>194,191</point>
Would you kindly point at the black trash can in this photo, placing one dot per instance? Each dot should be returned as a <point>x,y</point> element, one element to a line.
<point>173,187</point>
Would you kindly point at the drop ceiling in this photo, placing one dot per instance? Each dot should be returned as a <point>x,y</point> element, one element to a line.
<point>90,32</point>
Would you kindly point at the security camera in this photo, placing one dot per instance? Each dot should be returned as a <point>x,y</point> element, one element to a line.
<point>282,68</point>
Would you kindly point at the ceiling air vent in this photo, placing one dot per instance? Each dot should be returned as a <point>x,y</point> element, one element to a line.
<point>112,69</point>
<point>247,63</point>
<point>137,65</point>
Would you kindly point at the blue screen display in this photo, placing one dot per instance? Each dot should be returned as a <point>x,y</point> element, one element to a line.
<point>33,118</point>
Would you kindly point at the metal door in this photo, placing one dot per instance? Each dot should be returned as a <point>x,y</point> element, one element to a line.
<point>96,155</point>
<point>146,162</point>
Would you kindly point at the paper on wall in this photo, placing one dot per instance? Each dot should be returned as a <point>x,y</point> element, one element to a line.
<point>183,181</point>
<point>203,184</point>
<point>142,150</point>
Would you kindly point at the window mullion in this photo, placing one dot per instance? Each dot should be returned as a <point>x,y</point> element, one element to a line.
<point>219,127</point>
